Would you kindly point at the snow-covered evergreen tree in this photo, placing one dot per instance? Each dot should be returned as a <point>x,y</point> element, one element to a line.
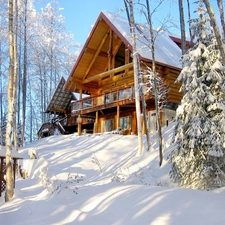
<point>198,160</point>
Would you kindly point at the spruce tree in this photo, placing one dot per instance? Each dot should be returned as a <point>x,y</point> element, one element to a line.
<point>198,159</point>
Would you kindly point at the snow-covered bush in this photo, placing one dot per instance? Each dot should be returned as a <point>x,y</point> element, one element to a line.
<point>45,180</point>
<point>33,153</point>
<point>54,184</point>
<point>96,161</point>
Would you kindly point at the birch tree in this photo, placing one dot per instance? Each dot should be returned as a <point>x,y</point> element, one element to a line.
<point>15,74</point>
<point>155,90</point>
<point>130,9</point>
<point>24,77</point>
<point>3,67</point>
<point>9,170</point>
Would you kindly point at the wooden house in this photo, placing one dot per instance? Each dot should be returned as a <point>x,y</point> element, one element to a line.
<point>104,71</point>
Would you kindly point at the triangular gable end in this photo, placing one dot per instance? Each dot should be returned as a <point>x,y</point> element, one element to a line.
<point>105,50</point>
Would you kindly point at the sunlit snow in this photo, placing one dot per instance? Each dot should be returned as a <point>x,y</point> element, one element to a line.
<point>98,179</point>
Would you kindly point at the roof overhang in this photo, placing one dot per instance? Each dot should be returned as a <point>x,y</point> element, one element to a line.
<point>60,100</point>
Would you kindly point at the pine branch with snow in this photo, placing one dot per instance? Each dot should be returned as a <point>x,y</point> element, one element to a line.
<point>199,160</point>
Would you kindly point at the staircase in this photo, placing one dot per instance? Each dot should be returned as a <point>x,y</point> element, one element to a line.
<point>49,128</point>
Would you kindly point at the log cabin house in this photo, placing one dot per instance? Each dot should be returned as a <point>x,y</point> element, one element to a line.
<point>104,72</point>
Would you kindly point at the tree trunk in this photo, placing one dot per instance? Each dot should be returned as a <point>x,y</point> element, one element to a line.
<point>31,116</point>
<point>159,126</point>
<point>19,80</point>
<point>189,18</point>
<point>220,6</point>
<point>136,74</point>
<point>216,29</point>
<point>9,172</point>
<point>182,27</point>
<point>24,87</point>
<point>145,119</point>
<point>15,138</point>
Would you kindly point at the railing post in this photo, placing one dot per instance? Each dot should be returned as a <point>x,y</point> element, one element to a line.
<point>118,117</point>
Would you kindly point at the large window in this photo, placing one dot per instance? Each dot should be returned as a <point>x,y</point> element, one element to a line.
<point>125,123</point>
<point>87,103</point>
<point>76,106</point>
<point>107,125</point>
<point>125,94</point>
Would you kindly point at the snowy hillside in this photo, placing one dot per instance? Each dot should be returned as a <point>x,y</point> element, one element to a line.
<point>98,179</point>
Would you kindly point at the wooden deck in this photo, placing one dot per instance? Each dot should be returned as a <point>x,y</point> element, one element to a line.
<point>105,101</point>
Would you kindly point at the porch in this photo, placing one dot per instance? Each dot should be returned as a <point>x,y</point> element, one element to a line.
<point>122,97</point>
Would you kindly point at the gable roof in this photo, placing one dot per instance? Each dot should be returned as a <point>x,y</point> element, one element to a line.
<point>166,51</point>
<point>61,99</point>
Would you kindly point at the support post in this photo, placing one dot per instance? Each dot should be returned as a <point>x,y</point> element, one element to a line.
<point>79,125</point>
<point>118,117</point>
<point>96,122</point>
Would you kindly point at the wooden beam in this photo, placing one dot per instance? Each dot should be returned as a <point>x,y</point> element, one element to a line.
<point>57,110</point>
<point>79,126</point>
<point>110,50</point>
<point>104,74</point>
<point>118,117</point>
<point>96,122</point>
<point>75,83</point>
<point>96,54</point>
<point>127,55</point>
<point>116,48</point>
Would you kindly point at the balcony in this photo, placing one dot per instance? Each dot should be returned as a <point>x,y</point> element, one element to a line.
<point>105,101</point>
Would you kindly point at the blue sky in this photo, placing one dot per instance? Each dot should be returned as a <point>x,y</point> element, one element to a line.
<point>80,15</point>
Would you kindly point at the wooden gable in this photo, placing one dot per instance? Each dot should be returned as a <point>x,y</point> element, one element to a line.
<point>105,62</point>
<point>103,51</point>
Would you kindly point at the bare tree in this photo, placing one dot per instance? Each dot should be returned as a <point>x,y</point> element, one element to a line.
<point>153,75</point>
<point>182,27</point>
<point>220,6</point>
<point>130,10</point>
<point>215,28</point>
<point>15,75</point>
<point>24,79</point>
<point>9,171</point>
<point>189,19</point>
<point>156,97</point>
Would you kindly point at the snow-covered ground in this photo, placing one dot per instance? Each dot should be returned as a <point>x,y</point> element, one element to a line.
<point>99,179</point>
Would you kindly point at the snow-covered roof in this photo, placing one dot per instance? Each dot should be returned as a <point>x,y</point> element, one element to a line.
<point>166,51</point>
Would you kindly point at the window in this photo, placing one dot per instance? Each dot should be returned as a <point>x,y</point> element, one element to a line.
<point>76,106</point>
<point>87,103</point>
<point>125,123</point>
<point>108,98</point>
<point>125,94</point>
<point>107,125</point>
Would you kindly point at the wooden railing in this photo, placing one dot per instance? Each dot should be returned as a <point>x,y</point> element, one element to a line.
<point>105,99</point>
<point>49,127</point>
